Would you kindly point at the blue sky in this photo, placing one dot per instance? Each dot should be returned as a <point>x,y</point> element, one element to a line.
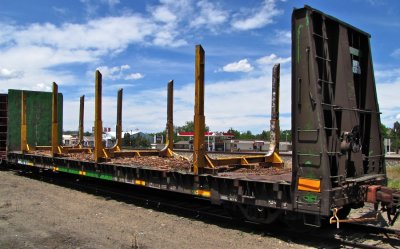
<point>140,45</point>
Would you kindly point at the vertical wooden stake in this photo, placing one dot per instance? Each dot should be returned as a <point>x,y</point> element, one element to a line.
<point>54,121</point>
<point>81,117</point>
<point>274,123</point>
<point>98,124</point>
<point>167,151</point>
<point>118,128</point>
<point>170,116</point>
<point>199,118</point>
<point>24,146</point>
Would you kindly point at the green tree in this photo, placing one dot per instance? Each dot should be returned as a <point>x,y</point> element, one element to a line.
<point>187,127</point>
<point>126,140</point>
<point>385,131</point>
<point>286,135</point>
<point>87,133</point>
<point>247,135</point>
<point>264,135</point>
<point>140,142</point>
<point>236,133</point>
<point>70,132</point>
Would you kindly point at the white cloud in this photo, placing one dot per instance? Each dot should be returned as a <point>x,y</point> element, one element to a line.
<point>124,67</point>
<point>60,11</point>
<point>6,32</point>
<point>112,73</point>
<point>111,3</point>
<point>90,7</point>
<point>38,80</point>
<point>134,76</point>
<point>42,46</point>
<point>167,39</point>
<point>43,87</point>
<point>257,17</point>
<point>387,75</point>
<point>272,59</point>
<point>387,97</point>
<point>163,14</point>
<point>176,4</point>
<point>282,37</point>
<point>238,66</point>
<point>138,111</point>
<point>43,57</point>
<point>9,73</point>
<point>118,73</point>
<point>202,14</point>
<point>210,15</point>
<point>242,104</point>
<point>375,2</point>
<point>104,34</point>
<point>396,53</point>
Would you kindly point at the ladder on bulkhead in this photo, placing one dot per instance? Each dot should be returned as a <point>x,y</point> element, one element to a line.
<point>327,86</point>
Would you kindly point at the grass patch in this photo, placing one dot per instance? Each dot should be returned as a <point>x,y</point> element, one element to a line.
<point>393,174</point>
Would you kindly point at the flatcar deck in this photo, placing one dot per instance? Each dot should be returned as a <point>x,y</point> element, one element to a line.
<point>268,174</point>
<point>269,188</point>
<point>249,172</point>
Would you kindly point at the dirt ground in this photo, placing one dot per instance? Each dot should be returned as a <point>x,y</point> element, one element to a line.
<point>35,214</point>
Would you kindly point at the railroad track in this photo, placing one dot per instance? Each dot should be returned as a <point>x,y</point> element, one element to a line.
<point>369,236</point>
<point>350,235</point>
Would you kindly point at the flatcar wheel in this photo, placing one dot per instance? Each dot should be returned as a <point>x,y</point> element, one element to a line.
<point>260,214</point>
<point>233,210</point>
<point>343,212</point>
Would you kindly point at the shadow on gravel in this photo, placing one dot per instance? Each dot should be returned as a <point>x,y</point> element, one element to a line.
<point>193,208</point>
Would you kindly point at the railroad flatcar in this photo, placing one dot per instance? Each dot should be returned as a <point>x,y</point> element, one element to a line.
<point>338,160</point>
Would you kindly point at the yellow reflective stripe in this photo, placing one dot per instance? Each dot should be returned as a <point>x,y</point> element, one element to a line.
<point>140,182</point>
<point>306,184</point>
<point>204,193</point>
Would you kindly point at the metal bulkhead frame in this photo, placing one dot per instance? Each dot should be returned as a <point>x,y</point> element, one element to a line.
<point>337,145</point>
